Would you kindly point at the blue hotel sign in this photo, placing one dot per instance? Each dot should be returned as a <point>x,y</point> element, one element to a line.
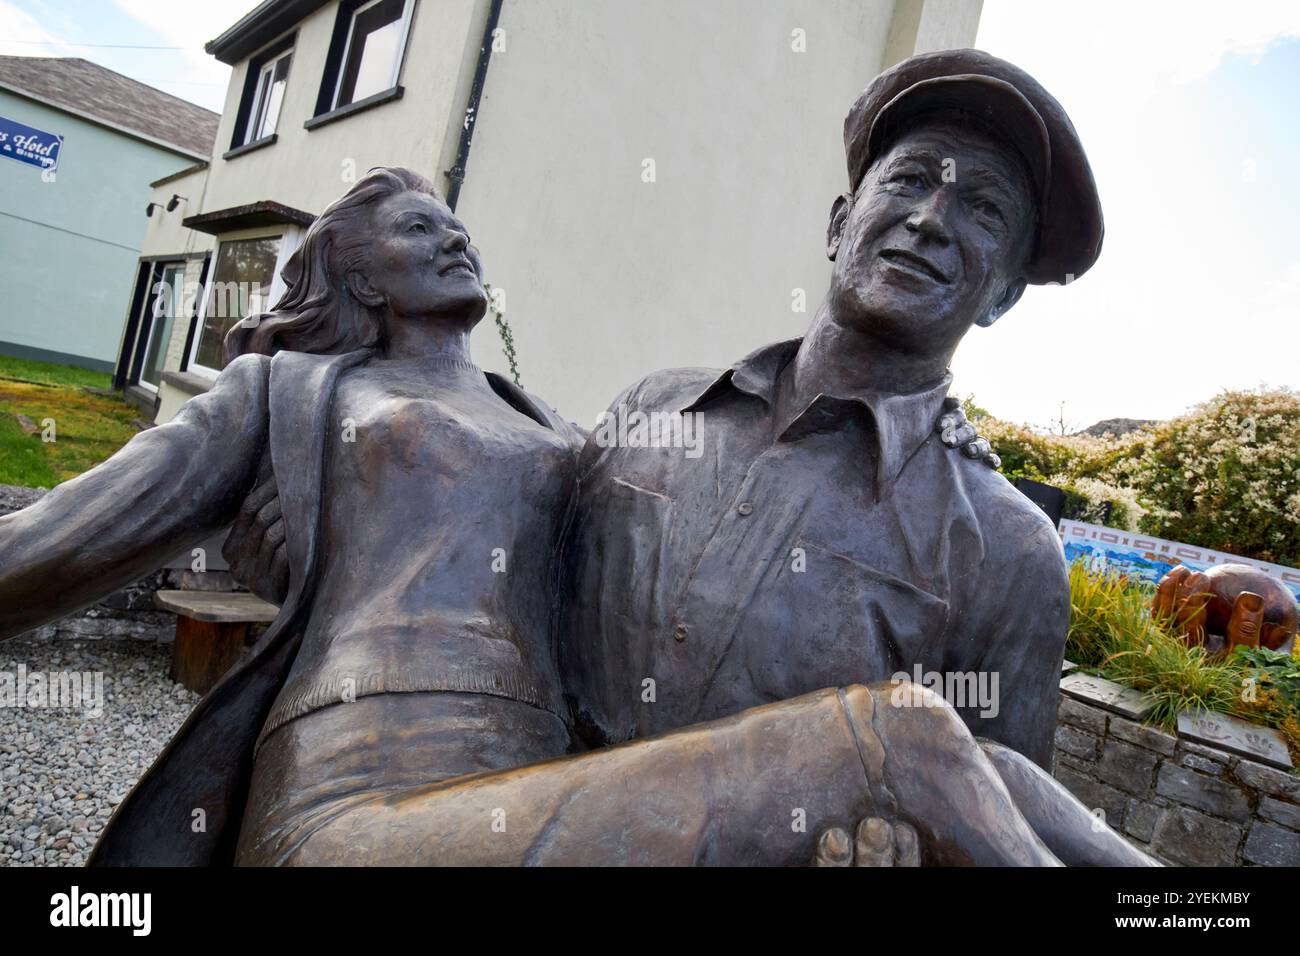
<point>28,145</point>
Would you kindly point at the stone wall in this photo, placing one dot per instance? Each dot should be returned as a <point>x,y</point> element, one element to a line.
<point>1186,804</point>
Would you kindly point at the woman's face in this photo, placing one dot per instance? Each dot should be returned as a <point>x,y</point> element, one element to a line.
<point>421,264</point>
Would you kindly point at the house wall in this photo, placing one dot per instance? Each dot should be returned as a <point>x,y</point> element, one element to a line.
<point>308,169</point>
<point>696,268</point>
<point>70,246</point>
<point>705,263</point>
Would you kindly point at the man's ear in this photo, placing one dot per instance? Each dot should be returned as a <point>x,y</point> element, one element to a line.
<point>362,290</point>
<point>1010,296</point>
<point>835,230</point>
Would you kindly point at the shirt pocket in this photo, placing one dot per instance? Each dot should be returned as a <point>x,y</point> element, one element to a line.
<point>824,619</point>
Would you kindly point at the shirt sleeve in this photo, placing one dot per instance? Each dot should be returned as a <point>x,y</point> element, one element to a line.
<point>1023,606</point>
<point>166,490</point>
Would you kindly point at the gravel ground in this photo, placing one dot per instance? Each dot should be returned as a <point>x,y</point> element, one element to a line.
<point>62,771</point>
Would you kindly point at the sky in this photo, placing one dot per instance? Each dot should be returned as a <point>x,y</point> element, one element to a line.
<point>91,28</point>
<point>1190,114</point>
<point>1187,110</point>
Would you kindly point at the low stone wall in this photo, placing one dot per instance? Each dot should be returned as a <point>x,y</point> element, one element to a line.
<point>1186,804</point>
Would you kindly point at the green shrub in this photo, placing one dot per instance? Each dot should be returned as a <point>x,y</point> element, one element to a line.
<point>1226,475</point>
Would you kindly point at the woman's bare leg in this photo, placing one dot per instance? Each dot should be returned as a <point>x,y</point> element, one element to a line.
<point>754,789</point>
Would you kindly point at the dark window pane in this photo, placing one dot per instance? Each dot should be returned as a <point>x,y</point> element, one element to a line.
<point>241,285</point>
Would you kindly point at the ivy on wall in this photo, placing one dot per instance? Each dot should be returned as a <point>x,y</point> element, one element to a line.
<point>496,300</point>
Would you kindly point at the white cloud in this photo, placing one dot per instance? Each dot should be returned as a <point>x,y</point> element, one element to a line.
<point>21,34</point>
<point>1196,289</point>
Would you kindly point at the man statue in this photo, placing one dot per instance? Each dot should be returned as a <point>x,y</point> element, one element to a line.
<point>823,534</point>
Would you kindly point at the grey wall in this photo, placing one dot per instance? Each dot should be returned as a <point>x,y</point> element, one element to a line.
<point>1189,805</point>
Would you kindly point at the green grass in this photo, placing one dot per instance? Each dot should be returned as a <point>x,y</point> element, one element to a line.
<point>87,428</point>
<point>1113,633</point>
<point>46,373</point>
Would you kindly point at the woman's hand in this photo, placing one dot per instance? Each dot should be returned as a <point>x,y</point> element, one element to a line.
<point>956,431</point>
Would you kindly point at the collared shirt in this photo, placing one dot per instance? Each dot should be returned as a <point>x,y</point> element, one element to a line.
<point>758,565</point>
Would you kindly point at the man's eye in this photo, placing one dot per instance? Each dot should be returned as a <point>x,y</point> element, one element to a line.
<point>987,210</point>
<point>417,227</point>
<point>909,180</point>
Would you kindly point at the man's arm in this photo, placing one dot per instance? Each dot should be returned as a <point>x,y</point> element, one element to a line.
<point>1022,617</point>
<point>166,490</point>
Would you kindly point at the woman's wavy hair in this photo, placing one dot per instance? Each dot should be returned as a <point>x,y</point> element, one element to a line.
<point>318,313</point>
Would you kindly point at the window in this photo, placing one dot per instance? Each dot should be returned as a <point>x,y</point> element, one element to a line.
<point>240,286</point>
<point>166,303</point>
<point>269,92</point>
<point>265,81</point>
<point>372,54</point>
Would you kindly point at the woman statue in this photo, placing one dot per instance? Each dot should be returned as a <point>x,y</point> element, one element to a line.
<point>405,705</point>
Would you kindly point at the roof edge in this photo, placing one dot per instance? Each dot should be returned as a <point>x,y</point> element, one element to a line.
<point>258,27</point>
<point>179,174</point>
<point>265,212</point>
<point>100,121</point>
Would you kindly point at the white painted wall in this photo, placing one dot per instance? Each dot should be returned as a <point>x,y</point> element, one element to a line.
<point>306,169</point>
<point>607,277</point>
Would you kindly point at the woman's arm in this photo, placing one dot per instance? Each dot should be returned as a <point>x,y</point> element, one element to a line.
<point>164,492</point>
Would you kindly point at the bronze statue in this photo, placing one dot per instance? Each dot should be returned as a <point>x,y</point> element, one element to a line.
<point>1227,606</point>
<point>406,706</point>
<point>824,534</point>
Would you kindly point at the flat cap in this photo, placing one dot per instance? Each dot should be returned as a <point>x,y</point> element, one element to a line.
<point>1005,98</point>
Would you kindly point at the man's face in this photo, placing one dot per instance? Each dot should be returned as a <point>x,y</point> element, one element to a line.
<point>935,239</point>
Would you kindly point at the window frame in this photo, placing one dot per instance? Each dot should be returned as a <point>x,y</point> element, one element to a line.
<point>262,95</point>
<point>246,115</point>
<point>340,68</point>
<point>290,238</point>
<point>145,335</point>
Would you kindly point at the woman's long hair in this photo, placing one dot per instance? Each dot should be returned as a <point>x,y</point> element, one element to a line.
<point>318,313</point>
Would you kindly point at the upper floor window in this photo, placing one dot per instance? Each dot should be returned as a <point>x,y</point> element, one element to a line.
<point>269,93</point>
<point>372,54</point>
<point>265,81</point>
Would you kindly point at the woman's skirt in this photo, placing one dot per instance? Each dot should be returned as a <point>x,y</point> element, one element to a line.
<point>316,767</point>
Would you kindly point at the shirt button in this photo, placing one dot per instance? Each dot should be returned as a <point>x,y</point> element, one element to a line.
<point>745,508</point>
<point>679,633</point>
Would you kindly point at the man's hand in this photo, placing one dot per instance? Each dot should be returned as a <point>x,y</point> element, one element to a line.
<point>879,843</point>
<point>957,432</point>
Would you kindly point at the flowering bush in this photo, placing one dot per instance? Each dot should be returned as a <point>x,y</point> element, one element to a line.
<point>1226,475</point>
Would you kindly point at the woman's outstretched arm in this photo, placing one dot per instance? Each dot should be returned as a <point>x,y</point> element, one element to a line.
<point>165,491</point>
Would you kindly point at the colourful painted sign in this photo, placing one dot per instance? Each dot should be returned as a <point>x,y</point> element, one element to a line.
<point>1147,558</point>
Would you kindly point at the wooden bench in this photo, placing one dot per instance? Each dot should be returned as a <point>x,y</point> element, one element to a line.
<point>211,628</point>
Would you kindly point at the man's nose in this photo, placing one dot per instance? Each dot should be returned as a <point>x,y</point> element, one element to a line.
<point>456,241</point>
<point>930,217</point>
